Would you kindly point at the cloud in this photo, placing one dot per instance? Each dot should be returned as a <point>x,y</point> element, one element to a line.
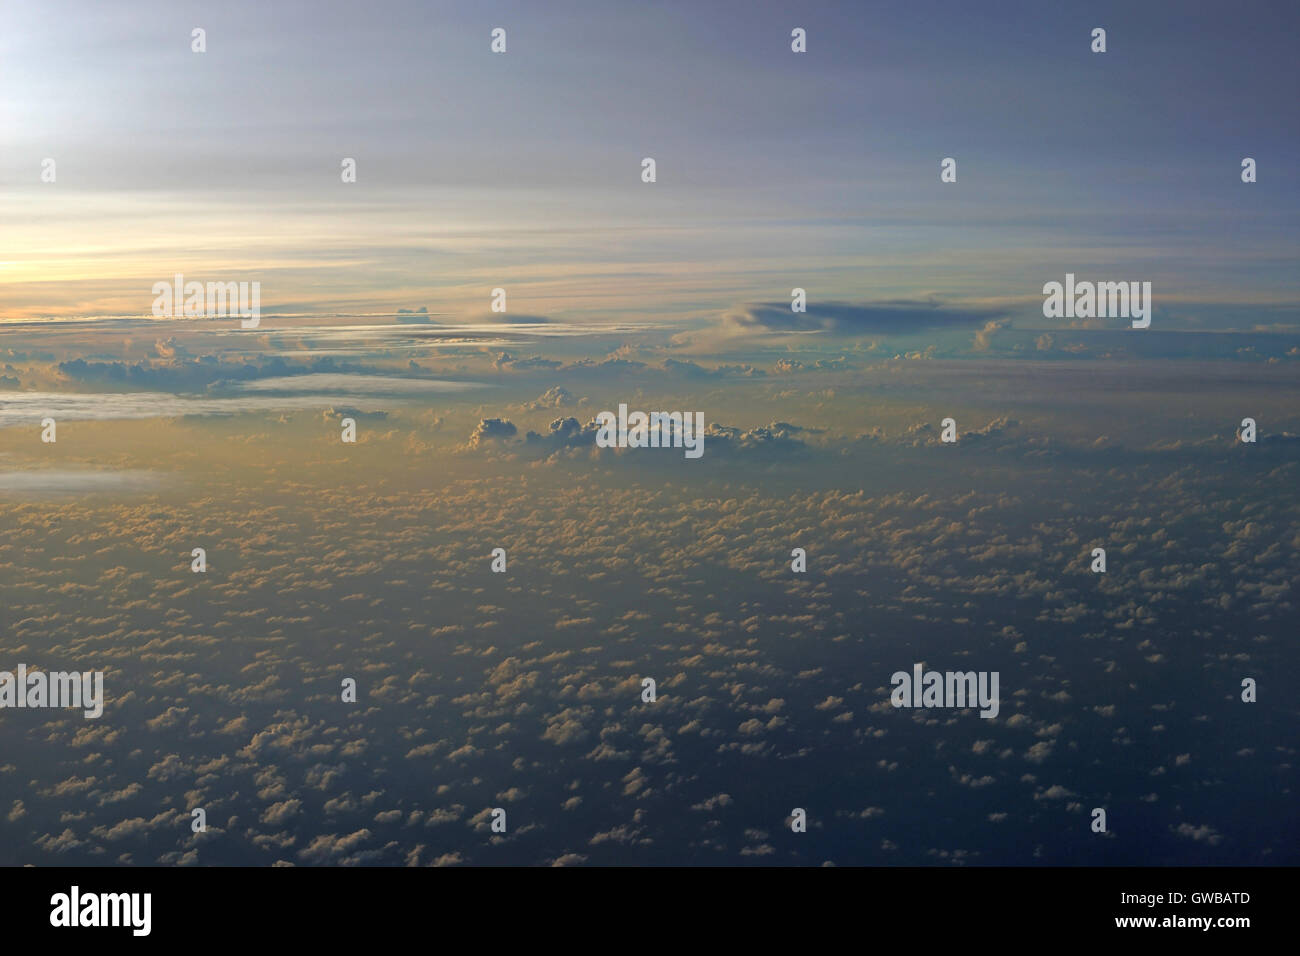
<point>507,318</point>
<point>26,409</point>
<point>985,335</point>
<point>894,317</point>
<point>605,603</point>
<point>177,372</point>
<point>296,392</point>
<point>278,814</point>
<point>354,384</point>
<point>778,438</point>
<point>492,429</point>
<point>347,411</point>
<point>332,847</point>
<point>59,481</point>
<point>565,433</point>
<point>617,365</point>
<point>505,360</point>
<point>1201,834</point>
<point>556,397</point>
<point>684,369</point>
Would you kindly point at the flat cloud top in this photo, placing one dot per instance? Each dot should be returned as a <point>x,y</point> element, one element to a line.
<point>894,317</point>
<point>61,481</point>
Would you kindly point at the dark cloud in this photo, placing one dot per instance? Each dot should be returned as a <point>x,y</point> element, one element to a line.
<point>489,429</point>
<point>505,360</point>
<point>347,411</point>
<point>686,369</point>
<point>893,317</point>
<point>778,438</point>
<point>188,374</point>
<point>605,365</point>
<point>565,433</point>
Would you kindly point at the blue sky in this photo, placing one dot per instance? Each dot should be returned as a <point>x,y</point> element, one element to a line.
<point>522,170</point>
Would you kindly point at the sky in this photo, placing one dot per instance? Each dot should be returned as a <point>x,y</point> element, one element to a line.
<point>522,170</point>
<point>128,440</point>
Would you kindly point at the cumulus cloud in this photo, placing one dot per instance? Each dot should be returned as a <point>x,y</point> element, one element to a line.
<point>492,429</point>
<point>525,687</point>
<point>555,397</point>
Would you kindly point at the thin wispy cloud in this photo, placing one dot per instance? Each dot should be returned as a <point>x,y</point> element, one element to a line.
<point>62,481</point>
